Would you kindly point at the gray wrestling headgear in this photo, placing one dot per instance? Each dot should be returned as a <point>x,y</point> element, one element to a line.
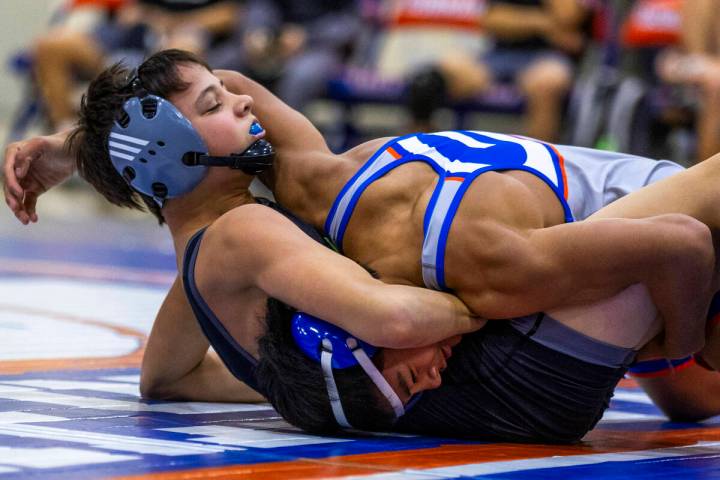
<point>159,153</point>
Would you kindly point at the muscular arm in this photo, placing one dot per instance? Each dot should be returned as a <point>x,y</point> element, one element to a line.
<point>262,249</point>
<point>575,263</point>
<point>178,365</point>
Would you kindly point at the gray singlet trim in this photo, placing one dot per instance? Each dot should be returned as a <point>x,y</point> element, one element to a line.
<point>560,338</point>
<point>381,161</point>
<point>448,191</point>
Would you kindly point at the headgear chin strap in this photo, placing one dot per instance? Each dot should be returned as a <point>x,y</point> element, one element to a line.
<point>257,158</point>
<point>334,348</point>
<point>159,153</point>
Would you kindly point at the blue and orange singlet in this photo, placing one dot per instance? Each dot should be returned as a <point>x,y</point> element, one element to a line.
<point>458,157</point>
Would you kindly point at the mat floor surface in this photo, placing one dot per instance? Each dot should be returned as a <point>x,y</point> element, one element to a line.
<point>74,318</point>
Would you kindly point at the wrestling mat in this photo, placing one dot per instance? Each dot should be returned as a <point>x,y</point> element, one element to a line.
<point>73,322</point>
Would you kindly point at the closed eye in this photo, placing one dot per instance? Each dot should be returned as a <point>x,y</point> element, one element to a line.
<point>214,108</point>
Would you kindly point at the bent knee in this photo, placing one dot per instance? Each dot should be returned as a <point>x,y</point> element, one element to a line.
<point>546,77</point>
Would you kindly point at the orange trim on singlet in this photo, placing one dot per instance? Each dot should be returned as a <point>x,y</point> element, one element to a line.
<point>561,162</point>
<point>454,179</point>
<point>683,366</point>
<point>392,152</point>
<point>666,371</point>
<point>131,360</point>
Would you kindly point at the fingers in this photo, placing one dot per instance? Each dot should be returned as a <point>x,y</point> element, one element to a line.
<point>25,209</point>
<point>12,185</point>
<point>30,203</point>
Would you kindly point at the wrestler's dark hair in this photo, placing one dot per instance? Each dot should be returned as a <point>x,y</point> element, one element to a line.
<point>294,384</point>
<point>101,106</point>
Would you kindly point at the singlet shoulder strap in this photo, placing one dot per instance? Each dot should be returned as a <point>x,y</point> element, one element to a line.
<point>390,156</point>
<point>236,359</point>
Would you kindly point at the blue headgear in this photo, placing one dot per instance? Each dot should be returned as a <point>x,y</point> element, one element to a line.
<point>159,153</point>
<point>334,348</point>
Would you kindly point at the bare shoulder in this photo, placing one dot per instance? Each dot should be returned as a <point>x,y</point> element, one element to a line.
<point>240,244</point>
<point>249,226</point>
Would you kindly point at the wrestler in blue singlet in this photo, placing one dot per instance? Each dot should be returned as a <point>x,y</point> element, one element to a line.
<point>583,179</point>
<point>458,157</point>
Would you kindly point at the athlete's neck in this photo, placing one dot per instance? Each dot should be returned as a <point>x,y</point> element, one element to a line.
<point>216,195</point>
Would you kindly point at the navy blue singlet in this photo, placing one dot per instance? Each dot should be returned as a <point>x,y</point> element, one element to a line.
<point>240,363</point>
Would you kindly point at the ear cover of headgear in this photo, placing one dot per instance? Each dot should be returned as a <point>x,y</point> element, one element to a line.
<point>334,348</point>
<point>148,145</point>
<point>309,332</point>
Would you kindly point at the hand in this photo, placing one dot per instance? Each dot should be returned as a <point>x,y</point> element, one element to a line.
<point>31,168</point>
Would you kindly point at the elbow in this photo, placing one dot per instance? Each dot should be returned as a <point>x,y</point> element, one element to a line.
<point>149,390</point>
<point>154,389</point>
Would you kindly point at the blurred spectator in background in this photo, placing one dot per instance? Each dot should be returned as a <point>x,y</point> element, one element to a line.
<point>97,32</point>
<point>87,32</point>
<point>295,46</point>
<point>697,65</point>
<point>535,45</point>
<point>417,33</point>
<point>205,27</point>
<point>420,37</point>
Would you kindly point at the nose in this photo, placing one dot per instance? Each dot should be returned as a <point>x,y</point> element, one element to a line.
<point>243,105</point>
<point>434,378</point>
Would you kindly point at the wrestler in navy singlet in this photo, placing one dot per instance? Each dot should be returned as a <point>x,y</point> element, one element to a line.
<point>240,363</point>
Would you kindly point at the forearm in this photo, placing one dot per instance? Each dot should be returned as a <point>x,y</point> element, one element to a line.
<point>286,264</point>
<point>209,381</point>
<point>66,151</point>
<point>178,364</point>
<point>423,317</point>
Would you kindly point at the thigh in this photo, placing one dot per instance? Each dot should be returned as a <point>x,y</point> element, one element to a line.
<point>596,178</point>
<point>694,192</point>
<point>628,319</point>
<point>546,72</point>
